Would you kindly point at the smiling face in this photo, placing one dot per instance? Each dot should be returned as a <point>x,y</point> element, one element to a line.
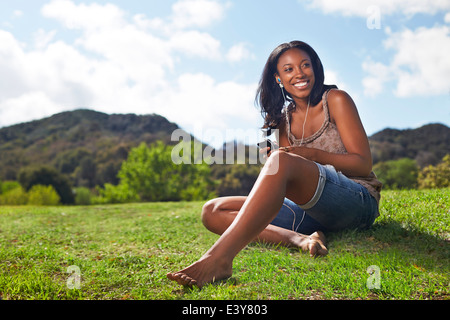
<point>295,72</point>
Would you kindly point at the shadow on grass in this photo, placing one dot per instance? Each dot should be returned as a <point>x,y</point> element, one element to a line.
<point>391,236</point>
<point>396,246</point>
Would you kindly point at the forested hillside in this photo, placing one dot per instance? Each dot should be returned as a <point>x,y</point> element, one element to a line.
<point>427,145</point>
<point>86,145</point>
<point>89,147</point>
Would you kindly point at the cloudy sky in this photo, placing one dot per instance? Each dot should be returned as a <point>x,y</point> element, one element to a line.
<point>198,62</point>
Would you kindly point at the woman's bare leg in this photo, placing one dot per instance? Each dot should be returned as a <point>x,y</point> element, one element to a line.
<point>283,175</point>
<point>218,214</point>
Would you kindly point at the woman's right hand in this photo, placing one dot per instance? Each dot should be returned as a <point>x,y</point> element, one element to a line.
<point>265,152</point>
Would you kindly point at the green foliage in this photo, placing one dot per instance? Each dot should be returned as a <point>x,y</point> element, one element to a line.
<point>435,176</point>
<point>83,196</point>
<point>14,197</point>
<point>40,195</point>
<point>6,186</point>
<point>397,174</point>
<point>150,173</point>
<point>237,179</point>
<point>116,194</point>
<point>9,185</point>
<point>44,175</point>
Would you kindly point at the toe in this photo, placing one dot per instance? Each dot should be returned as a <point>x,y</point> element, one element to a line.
<point>170,276</point>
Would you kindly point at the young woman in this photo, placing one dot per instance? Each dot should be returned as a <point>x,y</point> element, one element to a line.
<point>319,180</point>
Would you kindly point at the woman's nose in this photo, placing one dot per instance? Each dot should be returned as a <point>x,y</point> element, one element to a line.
<point>299,72</point>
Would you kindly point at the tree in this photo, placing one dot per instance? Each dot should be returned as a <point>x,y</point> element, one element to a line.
<point>43,196</point>
<point>47,176</point>
<point>435,176</point>
<point>239,180</point>
<point>397,174</point>
<point>150,173</point>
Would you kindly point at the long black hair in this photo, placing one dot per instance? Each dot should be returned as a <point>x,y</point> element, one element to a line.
<point>269,95</point>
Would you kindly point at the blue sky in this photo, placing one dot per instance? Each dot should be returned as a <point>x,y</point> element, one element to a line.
<point>198,62</point>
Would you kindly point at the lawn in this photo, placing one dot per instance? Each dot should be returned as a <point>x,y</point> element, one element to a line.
<point>125,251</point>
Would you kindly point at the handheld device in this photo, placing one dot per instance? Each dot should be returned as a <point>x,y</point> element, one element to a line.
<point>267,144</point>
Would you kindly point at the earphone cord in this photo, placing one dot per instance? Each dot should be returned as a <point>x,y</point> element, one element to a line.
<point>304,122</point>
<point>289,123</point>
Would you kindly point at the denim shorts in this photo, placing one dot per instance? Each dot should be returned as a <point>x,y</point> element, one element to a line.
<point>339,203</point>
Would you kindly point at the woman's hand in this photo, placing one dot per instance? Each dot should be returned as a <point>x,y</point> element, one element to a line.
<point>267,151</point>
<point>305,152</point>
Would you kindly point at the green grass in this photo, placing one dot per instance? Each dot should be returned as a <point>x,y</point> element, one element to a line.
<point>125,251</point>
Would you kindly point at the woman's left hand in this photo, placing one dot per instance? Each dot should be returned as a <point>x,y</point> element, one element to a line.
<point>305,152</point>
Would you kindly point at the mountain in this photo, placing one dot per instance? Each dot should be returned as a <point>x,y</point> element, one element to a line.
<point>90,146</point>
<point>427,144</point>
<point>87,145</point>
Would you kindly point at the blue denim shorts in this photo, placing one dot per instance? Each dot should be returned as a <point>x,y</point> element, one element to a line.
<point>339,203</point>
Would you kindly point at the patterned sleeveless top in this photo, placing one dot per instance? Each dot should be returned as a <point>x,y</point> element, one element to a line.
<point>327,138</point>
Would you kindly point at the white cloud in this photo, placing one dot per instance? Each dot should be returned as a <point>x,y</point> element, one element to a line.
<point>120,65</point>
<point>186,15</point>
<point>196,13</point>
<point>420,65</point>
<point>239,52</point>
<point>200,100</point>
<point>43,38</point>
<point>82,16</point>
<point>30,106</point>
<point>17,13</point>
<point>378,75</point>
<point>360,7</point>
<point>195,43</point>
<point>332,77</point>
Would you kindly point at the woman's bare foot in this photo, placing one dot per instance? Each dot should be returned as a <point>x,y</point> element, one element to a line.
<point>204,271</point>
<point>316,244</point>
<point>210,269</point>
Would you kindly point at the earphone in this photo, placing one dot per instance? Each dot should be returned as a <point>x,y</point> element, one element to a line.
<point>279,82</point>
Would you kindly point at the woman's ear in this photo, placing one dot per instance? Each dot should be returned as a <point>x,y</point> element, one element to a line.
<point>277,78</point>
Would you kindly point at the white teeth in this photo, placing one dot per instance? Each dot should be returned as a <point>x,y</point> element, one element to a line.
<point>301,84</point>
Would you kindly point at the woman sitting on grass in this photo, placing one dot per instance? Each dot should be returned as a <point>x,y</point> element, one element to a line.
<point>319,180</point>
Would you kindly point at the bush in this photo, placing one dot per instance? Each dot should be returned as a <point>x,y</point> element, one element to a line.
<point>149,174</point>
<point>14,197</point>
<point>83,196</point>
<point>116,194</point>
<point>43,175</point>
<point>397,174</point>
<point>40,195</point>
<point>435,176</point>
<point>6,186</point>
<point>239,180</point>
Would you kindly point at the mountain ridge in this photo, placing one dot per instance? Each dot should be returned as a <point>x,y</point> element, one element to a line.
<point>65,139</point>
<point>89,146</point>
<point>427,144</point>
